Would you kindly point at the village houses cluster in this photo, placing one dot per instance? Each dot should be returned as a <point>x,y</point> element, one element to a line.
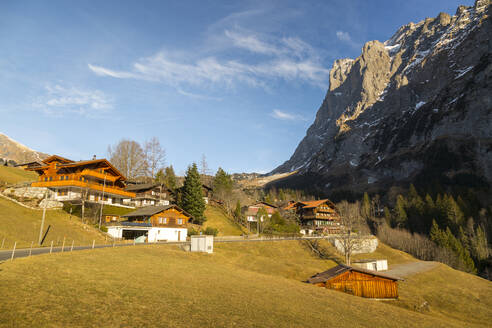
<point>156,217</point>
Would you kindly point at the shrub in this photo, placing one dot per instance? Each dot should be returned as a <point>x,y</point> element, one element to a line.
<point>211,231</point>
<point>192,231</point>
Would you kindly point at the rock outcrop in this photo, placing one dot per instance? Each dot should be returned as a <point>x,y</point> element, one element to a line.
<point>415,108</point>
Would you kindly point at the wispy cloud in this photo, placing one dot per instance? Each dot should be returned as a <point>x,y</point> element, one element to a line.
<point>60,100</point>
<point>288,59</point>
<point>285,116</point>
<point>197,96</point>
<point>345,37</point>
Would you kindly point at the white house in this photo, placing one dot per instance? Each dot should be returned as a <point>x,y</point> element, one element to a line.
<point>156,223</point>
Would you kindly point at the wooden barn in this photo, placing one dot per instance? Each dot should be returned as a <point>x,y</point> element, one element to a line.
<point>358,282</point>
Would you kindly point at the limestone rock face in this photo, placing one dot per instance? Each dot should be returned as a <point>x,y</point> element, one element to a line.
<point>414,108</point>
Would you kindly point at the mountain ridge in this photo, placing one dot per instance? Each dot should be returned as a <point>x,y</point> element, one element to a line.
<point>390,111</point>
<point>11,149</point>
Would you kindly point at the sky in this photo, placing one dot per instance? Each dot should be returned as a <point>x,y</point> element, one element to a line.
<point>237,81</point>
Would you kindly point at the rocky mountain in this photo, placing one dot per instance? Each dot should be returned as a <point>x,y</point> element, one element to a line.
<point>415,108</point>
<point>13,150</point>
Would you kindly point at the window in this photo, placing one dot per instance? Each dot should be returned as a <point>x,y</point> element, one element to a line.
<point>45,179</point>
<point>51,178</point>
<point>66,177</point>
<point>180,221</point>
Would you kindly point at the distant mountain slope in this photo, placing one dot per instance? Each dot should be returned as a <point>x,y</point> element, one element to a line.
<point>11,149</point>
<point>416,108</point>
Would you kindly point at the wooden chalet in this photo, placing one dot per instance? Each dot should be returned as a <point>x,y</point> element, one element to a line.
<point>358,282</point>
<point>320,216</point>
<point>156,223</point>
<point>94,180</point>
<point>250,212</point>
<point>148,194</point>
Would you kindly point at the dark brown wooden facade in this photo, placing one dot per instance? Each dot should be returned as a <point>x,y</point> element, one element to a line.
<point>358,282</point>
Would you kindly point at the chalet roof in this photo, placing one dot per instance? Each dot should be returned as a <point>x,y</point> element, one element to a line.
<point>144,186</point>
<point>340,269</point>
<point>57,158</point>
<point>70,163</point>
<point>151,210</point>
<point>33,163</point>
<point>264,203</point>
<point>315,203</point>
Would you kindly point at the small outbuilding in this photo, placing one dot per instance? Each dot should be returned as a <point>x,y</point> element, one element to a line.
<point>358,282</point>
<point>202,243</point>
<point>375,265</point>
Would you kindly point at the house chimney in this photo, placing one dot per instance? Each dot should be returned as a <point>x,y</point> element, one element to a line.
<point>94,157</point>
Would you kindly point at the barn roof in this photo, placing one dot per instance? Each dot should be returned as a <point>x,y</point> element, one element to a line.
<point>340,269</point>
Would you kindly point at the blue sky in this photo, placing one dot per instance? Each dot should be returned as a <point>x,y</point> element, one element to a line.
<point>237,81</point>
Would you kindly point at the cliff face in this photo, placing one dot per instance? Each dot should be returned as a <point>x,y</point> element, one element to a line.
<point>413,108</point>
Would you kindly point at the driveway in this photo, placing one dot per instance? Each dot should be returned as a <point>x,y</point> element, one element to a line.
<point>409,269</point>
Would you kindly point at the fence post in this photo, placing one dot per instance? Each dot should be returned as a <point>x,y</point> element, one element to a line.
<point>71,248</point>
<point>63,246</point>
<point>13,252</point>
<point>93,243</point>
<point>133,241</point>
<point>51,247</point>
<point>113,242</point>
<point>30,249</point>
<point>3,242</point>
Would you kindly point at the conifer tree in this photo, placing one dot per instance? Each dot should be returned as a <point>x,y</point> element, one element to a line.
<point>192,196</point>
<point>401,214</point>
<point>366,206</point>
<point>170,178</point>
<point>237,212</point>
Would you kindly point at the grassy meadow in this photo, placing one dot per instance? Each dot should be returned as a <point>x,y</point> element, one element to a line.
<point>21,224</point>
<point>216,218</point>
<point>256,284</point>
<point>12,175</point>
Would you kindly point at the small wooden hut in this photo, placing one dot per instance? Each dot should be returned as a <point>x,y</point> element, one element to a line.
<point>358,282</point>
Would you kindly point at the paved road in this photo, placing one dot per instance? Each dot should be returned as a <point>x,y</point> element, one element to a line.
<point>409,269</point>
<point>24,252</point>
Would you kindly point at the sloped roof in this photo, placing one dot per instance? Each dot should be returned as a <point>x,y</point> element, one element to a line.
<point>264,203</point>
<point>151,210</point>
<point>144,186</point>
<point>340,269</point>
<point>316,203</point>
<point>57,158</point>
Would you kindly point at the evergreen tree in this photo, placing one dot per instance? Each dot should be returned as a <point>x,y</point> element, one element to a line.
<point>400,213</point>
<point>192,196</point>
<point>237,212</point>
<point>222,184</point>
<point>366,206</point>
<point>159,176</point>
<point>387,215</point>
<point>170,178</point>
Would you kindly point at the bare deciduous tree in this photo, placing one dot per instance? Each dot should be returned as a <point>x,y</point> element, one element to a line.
<point>352,230</point>
<point>128,157</point>
<point>155,156</point>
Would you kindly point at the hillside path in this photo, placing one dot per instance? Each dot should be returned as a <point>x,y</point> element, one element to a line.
<point>409,269</point>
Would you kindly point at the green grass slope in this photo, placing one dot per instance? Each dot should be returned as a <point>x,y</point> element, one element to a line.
<point>241,284</point>
<point>11,175</point>
<point>21,224</point>
<point>216,218</point>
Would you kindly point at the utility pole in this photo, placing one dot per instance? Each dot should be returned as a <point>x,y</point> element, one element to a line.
<point>44,216</point>
<point>102,201</point>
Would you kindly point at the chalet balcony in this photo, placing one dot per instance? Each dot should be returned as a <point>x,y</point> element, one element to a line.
<point>95,174</point>
<point>82,184</point>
